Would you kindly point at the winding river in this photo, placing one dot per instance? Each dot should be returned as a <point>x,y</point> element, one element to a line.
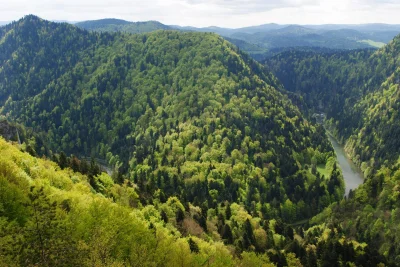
<point>351,174</point>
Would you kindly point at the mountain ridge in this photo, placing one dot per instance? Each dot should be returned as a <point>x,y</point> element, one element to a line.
<point>106,92</point>
<point>359,92</point>
<point>115,25</point>
<point>204,144</point>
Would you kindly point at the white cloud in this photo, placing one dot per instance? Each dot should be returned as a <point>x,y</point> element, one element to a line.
<point>225,13</point>
<point>245,6</point>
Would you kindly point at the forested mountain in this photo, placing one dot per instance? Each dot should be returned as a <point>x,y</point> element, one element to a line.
<point>211,162</point>
<point>343,84</point>
<point>251,49</point>
<point>117,25</point>
<point>301,37</point>
<point>187,120</point>
<point>359,91</point>
<point>322,78</point>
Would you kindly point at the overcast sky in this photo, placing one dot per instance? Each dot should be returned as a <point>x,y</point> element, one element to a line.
<point>224,13</point>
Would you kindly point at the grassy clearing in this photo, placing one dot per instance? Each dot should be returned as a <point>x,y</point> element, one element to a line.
<point>323,170</point>
<point>373,43</point>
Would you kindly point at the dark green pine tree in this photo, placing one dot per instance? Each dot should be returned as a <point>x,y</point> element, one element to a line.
<point>228,212</point>
<point>248,235</point>
<point>46,240</point>
<point>193,246</point>
<point>227,235</point>
<point>180,216</point>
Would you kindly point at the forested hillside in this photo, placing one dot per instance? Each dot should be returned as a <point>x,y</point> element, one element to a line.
<point>324,79</point>
<point>211,162</point>
<point>117,25</point>
<point>53,217</point>
<point>359,91</point>
<point>196,133</point>
<point>343,84</point>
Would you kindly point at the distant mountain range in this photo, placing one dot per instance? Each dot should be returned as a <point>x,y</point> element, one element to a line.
<point>260,41</point>
<point>117,25</point>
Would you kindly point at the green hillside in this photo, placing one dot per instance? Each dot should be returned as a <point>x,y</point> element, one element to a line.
<point>182,119</point>
<point>211,163</point>
<point>340,84</point>
<point>359,92</point>
<point>197,115</point>
<point>52,217</point>
<point>116,25</point>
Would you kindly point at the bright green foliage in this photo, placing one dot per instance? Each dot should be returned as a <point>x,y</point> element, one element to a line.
<point>186,113</point>
<point>55,220</point>
<point>210,160</point>
<point>192,124</point>
<point>359,92</point>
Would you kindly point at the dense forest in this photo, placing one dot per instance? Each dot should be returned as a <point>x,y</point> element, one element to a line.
<point>351,88</point>
<point>201,122</point>
<point>210,160</point>
<point>54,217</point>
<point>117,25</point>
<point>359,92</point>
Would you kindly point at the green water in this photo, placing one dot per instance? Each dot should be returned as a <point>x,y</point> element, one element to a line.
<point>351,174</point>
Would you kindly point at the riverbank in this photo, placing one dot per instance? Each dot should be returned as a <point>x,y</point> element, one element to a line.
<point>352,175</point>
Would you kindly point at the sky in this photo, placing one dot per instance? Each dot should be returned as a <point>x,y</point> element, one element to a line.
<point>201,13</point>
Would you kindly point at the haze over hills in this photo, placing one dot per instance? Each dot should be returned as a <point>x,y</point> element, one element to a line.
<point>117,25</point>
<point>373,27</point>
<point>258,41</point>
<point>213,158</point>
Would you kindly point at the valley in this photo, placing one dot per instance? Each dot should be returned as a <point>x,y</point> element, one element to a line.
<point>351,174</point>
<point>195,153</point>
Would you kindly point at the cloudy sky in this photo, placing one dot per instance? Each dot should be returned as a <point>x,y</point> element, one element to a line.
<point>224,13</point>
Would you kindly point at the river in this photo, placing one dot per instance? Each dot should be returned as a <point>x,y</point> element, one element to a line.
<point>351,174</point>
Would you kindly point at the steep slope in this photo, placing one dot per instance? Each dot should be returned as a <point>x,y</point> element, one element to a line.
<point>52,217</point>
<point>186,113</point>
<point>360,94</point>
<point>378,135</point>
<point>200,140</point>
<point>42,55</point>
<point>322,78</point>
<point>340,84</point>
<point>116,25</point>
